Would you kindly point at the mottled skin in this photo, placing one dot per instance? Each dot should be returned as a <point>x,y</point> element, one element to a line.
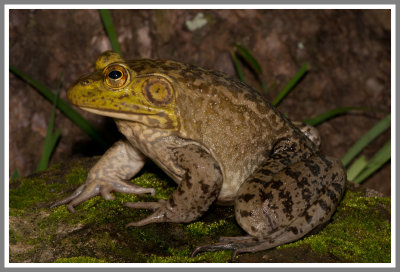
<point>219,140</point>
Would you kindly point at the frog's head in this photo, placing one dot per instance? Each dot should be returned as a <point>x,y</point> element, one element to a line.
<point>116,90</point>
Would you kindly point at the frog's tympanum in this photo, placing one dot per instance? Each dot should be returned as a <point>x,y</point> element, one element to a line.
<point>219,140</point>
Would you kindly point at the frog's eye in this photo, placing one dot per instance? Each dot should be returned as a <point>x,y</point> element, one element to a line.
<point>116,76</point>
<point>157,91</point>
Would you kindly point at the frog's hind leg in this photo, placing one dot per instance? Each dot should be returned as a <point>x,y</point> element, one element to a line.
<point>275,209</point>
<point>316,215</point>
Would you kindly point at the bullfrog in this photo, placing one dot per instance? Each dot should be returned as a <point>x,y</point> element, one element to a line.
<point>219,140</point>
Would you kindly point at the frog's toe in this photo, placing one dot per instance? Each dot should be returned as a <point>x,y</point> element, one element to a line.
<point>69,198</point>
<point>225,243</point>
<point>235,238</point>
<point>103,188</point>
<point>130,188</point>
<point>211,247</point>
<point>144,205</point>
<point>160,215</point>
<point>105,192</point>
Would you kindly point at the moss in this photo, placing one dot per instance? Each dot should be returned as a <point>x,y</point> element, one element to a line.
<point>76,176</point>
<point>359,231</point>
<point>29,194</point>
<point>204,229</point>
<point>54,166</point>
<point>80,260</point>
<point>183,256</point>
<point>152,180</point>
<point>14,237</point>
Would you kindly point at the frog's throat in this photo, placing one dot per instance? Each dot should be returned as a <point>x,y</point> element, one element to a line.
<point>160,120</point>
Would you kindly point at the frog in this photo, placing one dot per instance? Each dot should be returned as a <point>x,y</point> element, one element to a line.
<point>222,143</point>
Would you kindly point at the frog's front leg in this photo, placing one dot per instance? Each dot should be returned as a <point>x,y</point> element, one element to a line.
<point>120,163</point>
<point>278,208</point>
<point>197,190</point>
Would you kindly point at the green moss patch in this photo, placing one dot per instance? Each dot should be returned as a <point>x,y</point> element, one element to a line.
<point>183,256</point>
<point>80,260</point>
<point>29,194</point>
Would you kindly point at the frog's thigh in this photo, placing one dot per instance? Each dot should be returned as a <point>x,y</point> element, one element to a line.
<point>198,189</point>
<point>283,207</point>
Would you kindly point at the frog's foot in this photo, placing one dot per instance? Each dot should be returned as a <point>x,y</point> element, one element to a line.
<point>103,188</point>
<point>240,244</point>
<point>161,213</point>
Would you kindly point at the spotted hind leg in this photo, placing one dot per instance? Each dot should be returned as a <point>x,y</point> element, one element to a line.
<point>275,209</point>
<point>316,215</point>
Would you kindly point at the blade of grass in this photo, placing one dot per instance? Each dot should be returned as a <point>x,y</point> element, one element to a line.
<point>109,26</point>
<point>376,162</point>
<point>51,138</point>
<point>73,115</point>
<point>15,175</point>
<point>238,66</point>
<point>356,167</point>
<point>329,114</point>
<point>366,139</point>
<point>292,82</point>
<point>248,57</point>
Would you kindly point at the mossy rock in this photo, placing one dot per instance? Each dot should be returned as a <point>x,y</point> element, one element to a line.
<point>358,232</point>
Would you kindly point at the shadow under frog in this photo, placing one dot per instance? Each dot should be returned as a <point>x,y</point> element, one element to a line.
<point>219,140</point>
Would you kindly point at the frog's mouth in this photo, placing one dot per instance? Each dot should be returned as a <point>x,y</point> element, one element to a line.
<point>152,119</point>
<point>116,114</point>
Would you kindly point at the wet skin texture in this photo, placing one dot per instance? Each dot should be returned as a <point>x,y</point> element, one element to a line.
<point>219,140</point>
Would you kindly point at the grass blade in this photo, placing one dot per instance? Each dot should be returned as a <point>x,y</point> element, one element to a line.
<point>73,115</point>
<point>329,114</point>
<point>238,66</point>
<point>109,26</point>
<point>356,168</point>
<point>376,162</point>
<point>366,139</point>
<point>292,82</point>
<point>51,139</point>
<point>248,57</point>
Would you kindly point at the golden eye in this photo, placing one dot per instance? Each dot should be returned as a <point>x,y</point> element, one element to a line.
<point>116,76</point>
<point>158,91</point>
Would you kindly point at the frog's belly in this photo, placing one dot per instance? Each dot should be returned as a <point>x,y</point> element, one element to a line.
<point>230,186</point>
<point>236,170</point>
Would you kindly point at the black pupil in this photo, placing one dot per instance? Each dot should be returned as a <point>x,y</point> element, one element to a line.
<point>115,74</point>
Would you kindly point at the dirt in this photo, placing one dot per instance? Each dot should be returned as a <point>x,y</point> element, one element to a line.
<point>348,51</point>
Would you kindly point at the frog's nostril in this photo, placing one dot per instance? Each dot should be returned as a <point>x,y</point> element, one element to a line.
<point>85,82</point>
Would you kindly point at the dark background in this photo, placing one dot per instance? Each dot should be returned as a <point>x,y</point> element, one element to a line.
<point>348,51</point>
